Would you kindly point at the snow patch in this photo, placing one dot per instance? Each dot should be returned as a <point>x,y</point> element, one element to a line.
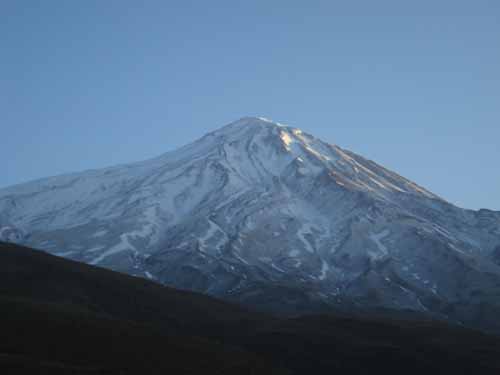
<point>94,249</point>
<point>277,268</point>
<point>377,238</point>
<point>305,229</point>
<point>123,245</point>
<point>324,269</point>
<point>65,253</point>
<point>212,230</point>
<point>237,256</point>
<point>100,233</point>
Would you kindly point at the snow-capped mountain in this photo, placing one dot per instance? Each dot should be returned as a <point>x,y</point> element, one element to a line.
<point>268,215</point>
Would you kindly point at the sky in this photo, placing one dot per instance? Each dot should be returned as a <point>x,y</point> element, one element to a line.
<point>412,85</point>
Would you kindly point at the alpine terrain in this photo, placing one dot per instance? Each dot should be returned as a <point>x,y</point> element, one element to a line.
<point>269,216</point>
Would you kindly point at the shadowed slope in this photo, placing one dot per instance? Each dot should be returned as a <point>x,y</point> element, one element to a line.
<point>63,317</point>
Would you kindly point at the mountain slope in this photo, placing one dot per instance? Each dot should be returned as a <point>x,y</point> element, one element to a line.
<point>269,216</point>
<point>64,317</point>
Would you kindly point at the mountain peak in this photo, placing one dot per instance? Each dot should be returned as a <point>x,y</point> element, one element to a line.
<point>251,122</point>
<point>251,127</point>
<point>262,150</point>
<point>256,120</point>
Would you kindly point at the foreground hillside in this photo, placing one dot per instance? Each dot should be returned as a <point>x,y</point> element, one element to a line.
<point>63,317</point>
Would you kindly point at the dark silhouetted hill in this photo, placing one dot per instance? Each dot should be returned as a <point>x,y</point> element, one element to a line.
<point>64,317</point>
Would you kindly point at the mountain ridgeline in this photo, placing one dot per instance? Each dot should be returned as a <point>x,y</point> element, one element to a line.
<point>273,218</point>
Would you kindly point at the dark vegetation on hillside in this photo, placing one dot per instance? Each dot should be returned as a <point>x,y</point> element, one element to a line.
<point>62,317</point>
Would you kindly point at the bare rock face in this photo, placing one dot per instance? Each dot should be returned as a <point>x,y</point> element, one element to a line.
<point>269,216</point>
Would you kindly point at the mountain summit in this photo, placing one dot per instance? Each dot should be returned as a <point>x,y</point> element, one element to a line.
<point>270,216</point>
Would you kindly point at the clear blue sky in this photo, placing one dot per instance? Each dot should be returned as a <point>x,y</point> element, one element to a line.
<point>413,85</point>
